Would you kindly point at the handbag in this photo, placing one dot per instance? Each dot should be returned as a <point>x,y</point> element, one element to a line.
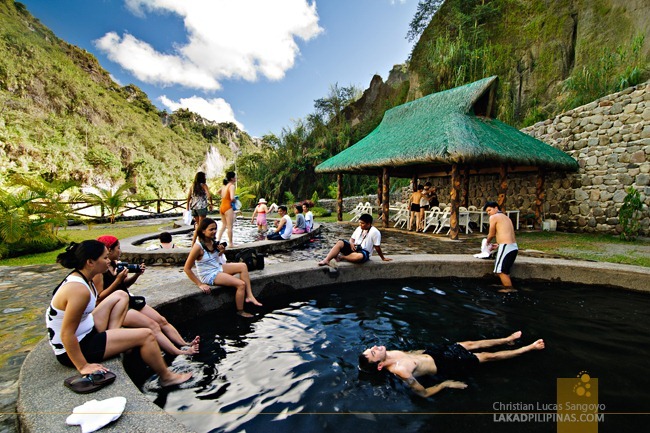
<point>188,219</point>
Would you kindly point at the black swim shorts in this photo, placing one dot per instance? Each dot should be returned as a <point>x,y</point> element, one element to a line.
<point>93,347</point>
<point>452,360</point>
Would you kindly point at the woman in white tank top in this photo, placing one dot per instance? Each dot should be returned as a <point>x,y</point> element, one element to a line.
<point>95,333</point>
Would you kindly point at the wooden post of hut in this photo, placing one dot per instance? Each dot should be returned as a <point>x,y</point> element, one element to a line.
<point>380,183</point>
<point>539,197</point>
<point>339,197</point>
<point>455,201</point>
<point>503,187</point>
<point>385,196</point>
<point>465,201</point>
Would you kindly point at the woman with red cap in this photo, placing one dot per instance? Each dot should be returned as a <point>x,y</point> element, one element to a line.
<point>140,315</point>
<point>82,333</point>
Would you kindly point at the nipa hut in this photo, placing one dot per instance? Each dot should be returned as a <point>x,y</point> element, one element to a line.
<point>446,134</point>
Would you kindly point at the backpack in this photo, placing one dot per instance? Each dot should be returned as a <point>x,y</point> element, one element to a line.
<point>253,260</point>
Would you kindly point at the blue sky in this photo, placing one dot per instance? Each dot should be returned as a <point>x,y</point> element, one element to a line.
<point>258,63</point>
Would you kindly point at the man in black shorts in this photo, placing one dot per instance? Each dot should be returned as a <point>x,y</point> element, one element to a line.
<point>359,248</point>
<point>457,359</point>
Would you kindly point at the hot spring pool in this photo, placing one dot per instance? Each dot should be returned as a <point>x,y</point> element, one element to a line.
<point>243,232</point>
<point>294,368</point>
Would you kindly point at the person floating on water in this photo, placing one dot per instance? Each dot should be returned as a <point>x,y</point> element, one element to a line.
<point>457,359</point>
<point>359,248</point>
<point>502,230</point>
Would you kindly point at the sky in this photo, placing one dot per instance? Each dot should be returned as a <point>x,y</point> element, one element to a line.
<point>257,63</point>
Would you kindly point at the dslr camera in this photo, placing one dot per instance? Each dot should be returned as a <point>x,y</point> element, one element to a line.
<point>133,268</point>
<point>224,244</point>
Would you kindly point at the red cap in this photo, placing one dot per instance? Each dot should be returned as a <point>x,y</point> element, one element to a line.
<point>108,240</point>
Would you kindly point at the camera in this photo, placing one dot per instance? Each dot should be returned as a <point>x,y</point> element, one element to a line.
<point>133,268</point>
<point>224,244</point>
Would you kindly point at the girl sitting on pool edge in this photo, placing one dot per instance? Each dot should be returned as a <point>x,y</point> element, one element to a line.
<point>213,270</point>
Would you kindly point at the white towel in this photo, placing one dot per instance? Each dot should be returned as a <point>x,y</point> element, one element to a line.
<point>485,250</point>
<point>94,414</point>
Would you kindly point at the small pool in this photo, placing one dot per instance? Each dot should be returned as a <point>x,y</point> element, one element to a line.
<point>243,232</point>
<point>294,368</point>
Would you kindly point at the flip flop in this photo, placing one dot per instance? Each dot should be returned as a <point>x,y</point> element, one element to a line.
<point>90,382</point>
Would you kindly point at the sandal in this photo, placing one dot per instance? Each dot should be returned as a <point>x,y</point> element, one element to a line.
<point>90,382</point>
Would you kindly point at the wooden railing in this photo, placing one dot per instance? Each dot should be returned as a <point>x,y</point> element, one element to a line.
<point>153,207</point>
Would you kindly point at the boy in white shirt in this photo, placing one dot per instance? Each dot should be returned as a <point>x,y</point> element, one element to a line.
<point>359,248</point>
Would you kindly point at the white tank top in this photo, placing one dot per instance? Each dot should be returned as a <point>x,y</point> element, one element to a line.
<point>54,317</point>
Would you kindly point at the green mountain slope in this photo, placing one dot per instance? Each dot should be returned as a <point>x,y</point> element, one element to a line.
<point>61,115</point>
<point>549,55</point>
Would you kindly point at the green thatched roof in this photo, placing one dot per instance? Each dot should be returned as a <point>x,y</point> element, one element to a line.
<point>442,129</point>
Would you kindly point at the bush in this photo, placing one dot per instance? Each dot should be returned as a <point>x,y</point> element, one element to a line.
<point>320,212</point>
<point>630,214</point>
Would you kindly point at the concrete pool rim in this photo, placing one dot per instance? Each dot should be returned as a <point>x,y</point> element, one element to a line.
<point>44,404</point>
<point>133,252</point>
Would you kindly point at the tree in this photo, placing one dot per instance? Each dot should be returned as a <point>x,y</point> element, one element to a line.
<point>31,211</point>
<point>111,201</point>
<point>423,15</point>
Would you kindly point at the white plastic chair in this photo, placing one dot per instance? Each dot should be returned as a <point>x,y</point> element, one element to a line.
<point>431,218</point>
<point>444,220</point>
<point>463,221</point>
<point>357,211</point>
<point>402,217</point>
<point>395,211</point>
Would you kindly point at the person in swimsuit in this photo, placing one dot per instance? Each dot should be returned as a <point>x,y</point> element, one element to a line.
<point>503,231</point>
<point>213,270</point>
<point>260,211</point>
<point>450,360</point>
<point>199,200</point>
<point>82,333</point>
<point>227,193</point>
<point>415,207</point>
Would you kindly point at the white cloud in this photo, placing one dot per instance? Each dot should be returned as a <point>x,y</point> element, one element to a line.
<point>216,109</point>
<point>227,39</point>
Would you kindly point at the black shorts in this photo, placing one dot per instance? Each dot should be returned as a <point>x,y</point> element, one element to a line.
<point>200,212</point>
<point>347,250</point>
<point>452,360</point>
<point>93,347</point>
<point>415,207</point>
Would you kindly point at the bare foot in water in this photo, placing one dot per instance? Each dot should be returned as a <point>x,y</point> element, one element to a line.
<point>245,314</point>
<point>175,379</point>
<point>515,336</point>
<point>196,341</point>
<point>508,289</point>
<point>254,301</point>
<point>191,350</point>
<point>538,345</point>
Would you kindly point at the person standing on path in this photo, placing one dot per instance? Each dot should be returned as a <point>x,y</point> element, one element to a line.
<point>198,200</point>
<point>503,231</point>
<point>227,193</point>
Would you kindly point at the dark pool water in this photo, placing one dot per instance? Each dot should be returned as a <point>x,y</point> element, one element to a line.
<point>294,368</point>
